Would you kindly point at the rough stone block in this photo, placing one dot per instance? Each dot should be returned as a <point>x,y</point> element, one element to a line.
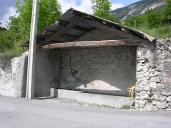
<point>150,107</point>
<point>159,97</point>
<point>168,99</point>
<point>161,105</point>
<point>166,93</point>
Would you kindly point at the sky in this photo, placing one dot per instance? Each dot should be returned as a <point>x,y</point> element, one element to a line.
<point>7,7</point>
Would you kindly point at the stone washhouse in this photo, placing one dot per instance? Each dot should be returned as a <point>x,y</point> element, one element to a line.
<point>89,54</point>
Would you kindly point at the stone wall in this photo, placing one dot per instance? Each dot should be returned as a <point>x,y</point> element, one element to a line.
<point>108,70</point>
<point>13,76</point>
<point>153,87</point>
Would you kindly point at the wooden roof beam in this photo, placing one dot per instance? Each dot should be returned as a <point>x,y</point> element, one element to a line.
<point>84,44</point>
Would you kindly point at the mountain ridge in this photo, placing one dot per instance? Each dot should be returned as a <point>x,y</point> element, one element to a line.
<point>138,8</point>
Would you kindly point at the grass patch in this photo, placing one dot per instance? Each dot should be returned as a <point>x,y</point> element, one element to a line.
<point>160,32</point>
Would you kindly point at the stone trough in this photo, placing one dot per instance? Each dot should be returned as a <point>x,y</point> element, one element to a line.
<point>95,99</point>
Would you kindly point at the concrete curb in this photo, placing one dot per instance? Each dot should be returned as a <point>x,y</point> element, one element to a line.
<point>98,99</point>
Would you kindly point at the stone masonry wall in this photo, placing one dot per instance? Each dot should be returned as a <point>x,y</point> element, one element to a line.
<point>153,87</point>
<point>13,76</point>
<point>109,70</point>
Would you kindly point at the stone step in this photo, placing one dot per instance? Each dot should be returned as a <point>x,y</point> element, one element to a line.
<point>97,99</point>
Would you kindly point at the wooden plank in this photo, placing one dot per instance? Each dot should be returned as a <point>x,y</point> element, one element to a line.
<point>71,35</point>
<point>84,29</point>
<point>84,44</point>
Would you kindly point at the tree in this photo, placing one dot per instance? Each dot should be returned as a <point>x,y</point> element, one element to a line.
<point>150,19</point>
<point>19,27</point>
<point>154,19</point>
<point>167,12</point>
<point>136,21</point>
<point>101,8</point>
<point>4,41</point>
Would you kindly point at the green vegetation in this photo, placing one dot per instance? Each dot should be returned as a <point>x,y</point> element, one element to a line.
<point>19,27</point>
<point>159,32</point>
<point>49,12</point>
<point>4,43</point>
<point>101,8</point>
<point>157,24</point>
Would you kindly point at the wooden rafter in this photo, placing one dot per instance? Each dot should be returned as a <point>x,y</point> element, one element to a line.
<point>62,31</point>
<point>102,26</point>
